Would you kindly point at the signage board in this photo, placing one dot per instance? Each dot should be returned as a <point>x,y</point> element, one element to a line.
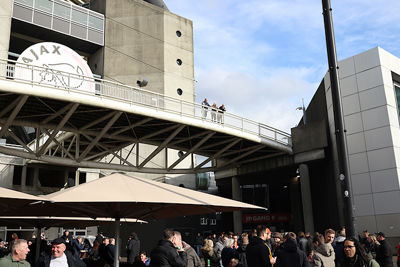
<point>260,218</point>
<point>60,66</point>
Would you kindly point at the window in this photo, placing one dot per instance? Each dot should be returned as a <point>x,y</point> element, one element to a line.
<point>397,93</point>
<point>179,91</point>
<point>178,33</point>
<point>179,61</point>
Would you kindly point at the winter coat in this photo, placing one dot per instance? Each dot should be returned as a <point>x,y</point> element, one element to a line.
<point>218,247</point>
<point>210,255</point>
<point>257,253</point>
<point>338,246</point>
<point>193,259</point>
<point>44,260</point>
<point>324,256</point>
<point>227,254</point>
<point>242,254</point>
<point>165,254</point>
<point>133,249</point>
<point>291,255</point>
<point>384,254</point>
<point>357,262</point>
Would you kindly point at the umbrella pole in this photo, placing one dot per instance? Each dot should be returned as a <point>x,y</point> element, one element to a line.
<point>38,241</point>
<point>116,256</point>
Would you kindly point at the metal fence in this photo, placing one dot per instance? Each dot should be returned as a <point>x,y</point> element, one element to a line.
<point>52,77</point>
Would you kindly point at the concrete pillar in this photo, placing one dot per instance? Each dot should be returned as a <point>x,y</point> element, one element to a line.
<point>76,177</point>
<point>237,215</point>
<point>306,198</point>
<point>5,27</point>
<point>36,184</point>
<point>23,178</point>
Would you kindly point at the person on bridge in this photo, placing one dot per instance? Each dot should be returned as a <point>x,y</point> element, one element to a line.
<point>214,109</point>
<point>221,111</point>
<point>205,106</point>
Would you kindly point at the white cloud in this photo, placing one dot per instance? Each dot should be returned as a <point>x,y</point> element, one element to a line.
<point>261,57</point>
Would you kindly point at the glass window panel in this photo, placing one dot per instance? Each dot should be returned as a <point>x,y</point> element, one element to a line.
<point>61,10</point>
<point>80,17</point>
<point>96,22</point>
<point>25,2</point>
<point>397,91</point>
<point>44,5</point>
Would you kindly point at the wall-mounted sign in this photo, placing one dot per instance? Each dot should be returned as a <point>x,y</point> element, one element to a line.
<point>55,60</point>
<point>266,218</point>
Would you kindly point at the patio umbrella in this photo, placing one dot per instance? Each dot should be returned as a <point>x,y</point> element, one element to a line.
<point>121,196</point>
<point>11,200</point>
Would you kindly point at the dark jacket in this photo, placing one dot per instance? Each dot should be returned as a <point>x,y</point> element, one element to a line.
<point>384,254</point>
<point>227,254</point>
<point>165,254</point>
<point>357,262</point>
<point>133,249</point>
<point>291,255</point>
<point>209,255</point>
<point>73,261</point>
<point>257,253</point>
<point>110,250</point>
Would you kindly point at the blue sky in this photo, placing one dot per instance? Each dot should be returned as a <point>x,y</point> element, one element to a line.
<point>261,57</point>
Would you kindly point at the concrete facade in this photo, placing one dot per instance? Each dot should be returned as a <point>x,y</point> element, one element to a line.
<point>146,41</point>
<point>371,119</point>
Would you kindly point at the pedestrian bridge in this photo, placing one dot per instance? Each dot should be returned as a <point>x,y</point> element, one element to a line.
<point>67,119</point>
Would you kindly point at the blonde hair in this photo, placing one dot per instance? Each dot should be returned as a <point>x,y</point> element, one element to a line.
<point>208,245</point>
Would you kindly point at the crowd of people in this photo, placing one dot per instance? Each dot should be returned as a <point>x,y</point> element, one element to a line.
<point>329,249</point>
<point>217,113</point>
<point>259,248</point>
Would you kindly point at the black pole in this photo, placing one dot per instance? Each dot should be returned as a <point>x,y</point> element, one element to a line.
<point>338,116</point>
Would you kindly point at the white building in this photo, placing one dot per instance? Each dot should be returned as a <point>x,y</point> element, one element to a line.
<point>370,93</point>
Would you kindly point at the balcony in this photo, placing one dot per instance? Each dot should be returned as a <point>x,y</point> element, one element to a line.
<point>62,17</point>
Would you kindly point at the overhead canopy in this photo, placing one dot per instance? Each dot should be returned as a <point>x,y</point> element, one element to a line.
<point>122,196</point>
<point>66,222</point>
<point>11,200</point>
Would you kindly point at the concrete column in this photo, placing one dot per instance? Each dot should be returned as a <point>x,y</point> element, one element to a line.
<point>237,215</point>
<point>36,178</point>
<point>5,27</point>
<point>76,177</point>
<point>23,178</point>
<point>306,198</point>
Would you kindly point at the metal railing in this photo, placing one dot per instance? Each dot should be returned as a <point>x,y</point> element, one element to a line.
<point>50,77</point>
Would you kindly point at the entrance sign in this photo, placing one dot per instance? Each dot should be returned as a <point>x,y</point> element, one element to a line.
<point>266,218</point>
<point>60,67</point>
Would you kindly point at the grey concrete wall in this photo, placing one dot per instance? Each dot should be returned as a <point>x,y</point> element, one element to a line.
<point>5,27</point>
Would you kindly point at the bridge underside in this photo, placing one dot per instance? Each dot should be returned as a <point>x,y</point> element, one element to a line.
<point>79,135</point>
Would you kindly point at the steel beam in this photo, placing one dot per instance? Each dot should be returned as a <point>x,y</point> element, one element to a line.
<point>14,113</point>
<point>57,129</point>
<point>100,135</point>
<point>161,146</point>
<point>194,148</point>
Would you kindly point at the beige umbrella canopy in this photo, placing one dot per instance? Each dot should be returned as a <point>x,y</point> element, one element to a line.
<point>122,196</point>
<point>11,200</point>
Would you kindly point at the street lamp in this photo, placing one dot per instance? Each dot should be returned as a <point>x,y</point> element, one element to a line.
<point>304,111</point>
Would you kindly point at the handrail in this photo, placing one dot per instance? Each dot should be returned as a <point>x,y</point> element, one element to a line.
<point>10,69</point>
